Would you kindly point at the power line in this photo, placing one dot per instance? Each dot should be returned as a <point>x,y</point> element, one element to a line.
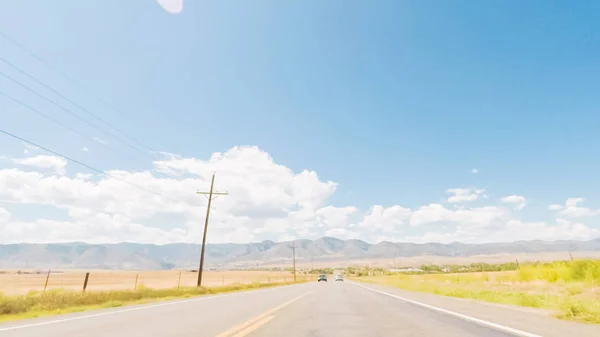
<point>77,84</point>
<point>72,102</point>
<point>73,114</point>
<point>88,166</point>
<point>60,123</point>
<point>32,54</point>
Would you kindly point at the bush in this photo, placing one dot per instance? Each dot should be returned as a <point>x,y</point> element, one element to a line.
<point>566,271</point>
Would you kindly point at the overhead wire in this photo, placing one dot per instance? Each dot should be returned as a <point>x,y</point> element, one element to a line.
<point>23,72</point>
<point>60,123</point>
<point>74,103</point>
<point>88,166</point>
<point>12,79</point>
<point>68,78</point>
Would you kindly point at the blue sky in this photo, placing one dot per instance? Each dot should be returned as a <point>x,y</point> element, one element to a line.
<point>396,101</point>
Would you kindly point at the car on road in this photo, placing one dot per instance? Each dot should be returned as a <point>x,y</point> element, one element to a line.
<point>322,277</point>
<point>339,277</point>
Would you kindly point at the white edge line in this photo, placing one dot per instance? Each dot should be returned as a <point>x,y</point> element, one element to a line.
<point>144,307</point>
<point>456,314</point>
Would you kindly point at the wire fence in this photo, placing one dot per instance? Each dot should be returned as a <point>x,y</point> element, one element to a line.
<point>23,282</point>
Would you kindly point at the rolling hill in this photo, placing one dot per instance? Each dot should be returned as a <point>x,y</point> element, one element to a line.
<point>129,256</point>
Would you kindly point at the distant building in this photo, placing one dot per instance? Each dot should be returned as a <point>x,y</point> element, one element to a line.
<point>405,270</point>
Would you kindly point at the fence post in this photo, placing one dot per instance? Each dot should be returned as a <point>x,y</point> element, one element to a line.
<point>179,280</point>
<point>517,260</point>
<point>85,282</point>
<point>46,283</point>
<point>136,280</point>
<point>269,280</point>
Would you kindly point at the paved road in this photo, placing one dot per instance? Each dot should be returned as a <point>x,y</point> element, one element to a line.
<point>316,309</point>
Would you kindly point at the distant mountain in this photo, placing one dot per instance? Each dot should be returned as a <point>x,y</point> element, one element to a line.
<point>147,256</point>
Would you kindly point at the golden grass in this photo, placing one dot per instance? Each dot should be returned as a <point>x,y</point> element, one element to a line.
<point>569,288</point>
<point>36,304</point>
<point>16,284</point>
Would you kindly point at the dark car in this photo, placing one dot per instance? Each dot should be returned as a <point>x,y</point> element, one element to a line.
<point>322,277</point>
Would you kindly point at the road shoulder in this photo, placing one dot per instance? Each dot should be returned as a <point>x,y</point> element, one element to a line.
<point>534,321</point>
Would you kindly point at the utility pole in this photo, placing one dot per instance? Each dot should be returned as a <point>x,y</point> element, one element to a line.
<point>210,198</point>
<point>294,257</point>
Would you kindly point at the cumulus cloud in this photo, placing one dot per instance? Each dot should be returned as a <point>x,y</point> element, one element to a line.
<point>266,201</point>
<point>4,215</point>
<point>463,194</point>
<point>171,6</point>
<point>53,163</point>
<point>571,209</point>
<point>518,200</point>
<point>474,171</point>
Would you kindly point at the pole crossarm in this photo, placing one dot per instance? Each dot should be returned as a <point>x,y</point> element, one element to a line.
<point>213,193</point>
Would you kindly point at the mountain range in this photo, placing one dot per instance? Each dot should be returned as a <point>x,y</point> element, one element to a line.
<point>130,256</point>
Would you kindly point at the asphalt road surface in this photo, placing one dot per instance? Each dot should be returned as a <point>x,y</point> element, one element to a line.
<point>316,309</point>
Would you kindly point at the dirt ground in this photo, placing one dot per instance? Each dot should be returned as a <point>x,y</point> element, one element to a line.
<point>13,284</point>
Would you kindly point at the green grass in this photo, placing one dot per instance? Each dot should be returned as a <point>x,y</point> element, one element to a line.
<point>570,289</point>
<point>55,302</point>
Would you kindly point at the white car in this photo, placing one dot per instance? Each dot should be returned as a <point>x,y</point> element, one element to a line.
<point>339,277</point>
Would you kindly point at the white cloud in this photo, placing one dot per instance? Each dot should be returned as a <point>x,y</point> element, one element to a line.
<point>571,209</point>
<point>385,220</point>
<point>171,6</point>
<point>518,200</point>
<point>100,140</point>
<point>463,194</point>
<point>266,201</point>
<point>56,164</point>
<point>85,149</point>
<point>572,202</point>
<point>436,213</point>
<point>4,215</point>
<point>474,171</point>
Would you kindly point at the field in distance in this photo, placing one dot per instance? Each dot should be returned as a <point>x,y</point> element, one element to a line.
<point>12,283</point>
<point>417,261</point>
<point>568,289</point>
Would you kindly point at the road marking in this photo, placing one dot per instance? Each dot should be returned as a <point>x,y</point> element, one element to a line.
<point>121,311</point>
<point>456,314</point>
<point>251,328</point>
<point>254,323</point>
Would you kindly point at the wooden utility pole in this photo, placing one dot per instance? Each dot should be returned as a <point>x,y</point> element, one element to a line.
<point>294,258</point>
<point>210,198</point>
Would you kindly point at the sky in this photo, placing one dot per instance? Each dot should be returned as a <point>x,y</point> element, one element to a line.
<point>404,121</point>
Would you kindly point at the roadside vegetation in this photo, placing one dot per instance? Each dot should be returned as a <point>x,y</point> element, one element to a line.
<point>37,304</point>
<point>571,289</point>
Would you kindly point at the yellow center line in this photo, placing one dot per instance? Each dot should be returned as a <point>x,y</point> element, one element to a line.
<point>253,327</point>
<point>258,320</point>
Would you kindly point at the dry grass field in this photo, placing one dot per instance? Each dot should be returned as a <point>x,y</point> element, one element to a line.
<point>12,283</point>
<point>416,261</point>
<point>571,289</point>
